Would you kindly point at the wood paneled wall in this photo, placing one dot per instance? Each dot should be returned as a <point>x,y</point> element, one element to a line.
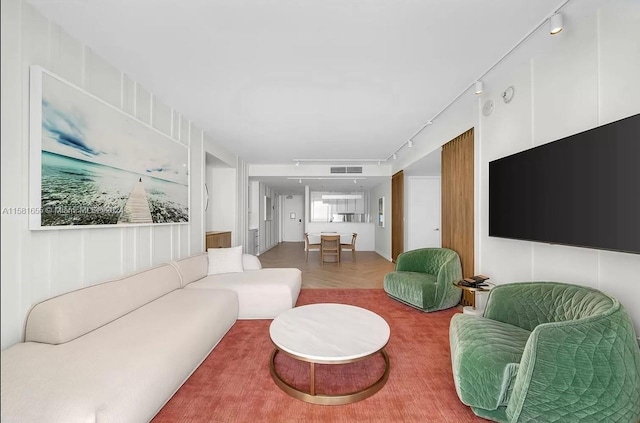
<point>458,202</point>
<point>397,215</point>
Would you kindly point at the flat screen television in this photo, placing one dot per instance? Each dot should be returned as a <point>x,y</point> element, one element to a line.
<point>582,190</point>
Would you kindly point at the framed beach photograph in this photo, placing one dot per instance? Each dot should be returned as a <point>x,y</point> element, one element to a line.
<point>93,165</point>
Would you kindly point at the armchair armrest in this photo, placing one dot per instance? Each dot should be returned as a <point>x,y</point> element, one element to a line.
<point>585,369</point>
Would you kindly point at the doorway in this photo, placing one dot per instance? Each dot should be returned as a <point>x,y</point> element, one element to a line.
<point>423,214</point>
<point>292,218</point>
<point>219,195</point>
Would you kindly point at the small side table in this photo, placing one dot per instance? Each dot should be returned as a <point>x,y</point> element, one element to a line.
<point>473,310</point>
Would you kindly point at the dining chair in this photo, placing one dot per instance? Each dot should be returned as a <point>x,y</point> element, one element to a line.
<point>351,246</point>
<point>330,248</point>
<point>310,246</point>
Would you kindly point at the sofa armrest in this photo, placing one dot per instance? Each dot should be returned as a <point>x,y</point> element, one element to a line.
<point>250,262</point>
<point>588,368</point>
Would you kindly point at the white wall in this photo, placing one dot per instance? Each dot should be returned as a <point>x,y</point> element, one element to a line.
<point>584,77</point>
<point>382,234</point>
<point>221,214</point>
<point>254,204</point>
<point>292,229</point>
<point>268,229</point>
<point>37,265</point>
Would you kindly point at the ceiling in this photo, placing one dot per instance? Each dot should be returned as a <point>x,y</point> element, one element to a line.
<point>277,80</point>
<point>283,185</point>
<point>428,165</point>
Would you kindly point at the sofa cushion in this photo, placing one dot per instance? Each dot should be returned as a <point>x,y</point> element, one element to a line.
<point>68,316</point>
<point>417,289</point>
<point>485,355</point>
<point>122,372</point>
<point>262,294</point>
<point>195,267</point>
<point>225,260</point>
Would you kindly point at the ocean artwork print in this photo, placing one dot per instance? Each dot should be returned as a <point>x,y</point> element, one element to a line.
<point>92,164</point>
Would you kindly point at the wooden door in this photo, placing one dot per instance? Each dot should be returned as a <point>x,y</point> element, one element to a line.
<point>458,202</point>
<point>397,215</point>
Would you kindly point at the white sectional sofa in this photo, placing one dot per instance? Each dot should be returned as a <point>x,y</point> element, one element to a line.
<point>262,295</point>
<point>118,351</point>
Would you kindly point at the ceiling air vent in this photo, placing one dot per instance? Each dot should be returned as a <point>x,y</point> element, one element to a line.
<point>343,169</point>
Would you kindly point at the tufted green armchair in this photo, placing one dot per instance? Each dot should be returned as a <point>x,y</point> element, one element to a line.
<point>547,352</point>
<point>424,279</point>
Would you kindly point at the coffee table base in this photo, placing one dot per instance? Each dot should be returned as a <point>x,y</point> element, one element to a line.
<point>313,398</point>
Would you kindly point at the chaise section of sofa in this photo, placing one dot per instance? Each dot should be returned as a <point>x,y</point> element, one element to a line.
<point>262,293</point>
<point>114,352</point>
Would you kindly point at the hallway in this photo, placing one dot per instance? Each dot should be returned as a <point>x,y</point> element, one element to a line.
<point>361,269</point>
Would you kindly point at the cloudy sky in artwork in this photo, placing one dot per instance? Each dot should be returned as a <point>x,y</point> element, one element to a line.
<point>78,125</point>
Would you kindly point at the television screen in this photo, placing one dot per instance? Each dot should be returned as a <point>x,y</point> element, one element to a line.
<point>582,190</point>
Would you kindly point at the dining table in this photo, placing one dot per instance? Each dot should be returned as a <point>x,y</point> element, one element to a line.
<point>343,237</point>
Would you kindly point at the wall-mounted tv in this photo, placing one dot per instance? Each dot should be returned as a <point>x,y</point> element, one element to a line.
<point>582,190</point>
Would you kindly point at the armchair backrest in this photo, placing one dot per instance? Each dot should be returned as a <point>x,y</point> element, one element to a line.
<point>529,304</point>
<point>426,260</point>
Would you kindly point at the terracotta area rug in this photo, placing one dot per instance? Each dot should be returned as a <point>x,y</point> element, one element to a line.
<point>234,384</point>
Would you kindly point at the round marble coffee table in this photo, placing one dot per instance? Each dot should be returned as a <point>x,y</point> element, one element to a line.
<point>329,334</point>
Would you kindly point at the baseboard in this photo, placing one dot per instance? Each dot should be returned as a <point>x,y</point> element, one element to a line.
<point>267,249</point>
<point>383,255</point>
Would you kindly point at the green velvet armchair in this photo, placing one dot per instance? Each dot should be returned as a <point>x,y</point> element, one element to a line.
<point>547,352</point>
<point>424,279</point>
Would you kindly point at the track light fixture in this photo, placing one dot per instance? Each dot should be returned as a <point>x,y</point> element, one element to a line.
<point>555,21</point>
<point>395,156</point>
<point>555,24</point>
<point>479,87</point>
<point>299,181</point>
<point>409,143</point>
<point>297,163</point>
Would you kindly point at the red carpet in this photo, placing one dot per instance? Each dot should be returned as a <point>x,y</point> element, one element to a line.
<point>234,384</point>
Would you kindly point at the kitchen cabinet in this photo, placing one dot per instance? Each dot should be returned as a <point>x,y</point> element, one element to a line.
<point>253,246</point>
